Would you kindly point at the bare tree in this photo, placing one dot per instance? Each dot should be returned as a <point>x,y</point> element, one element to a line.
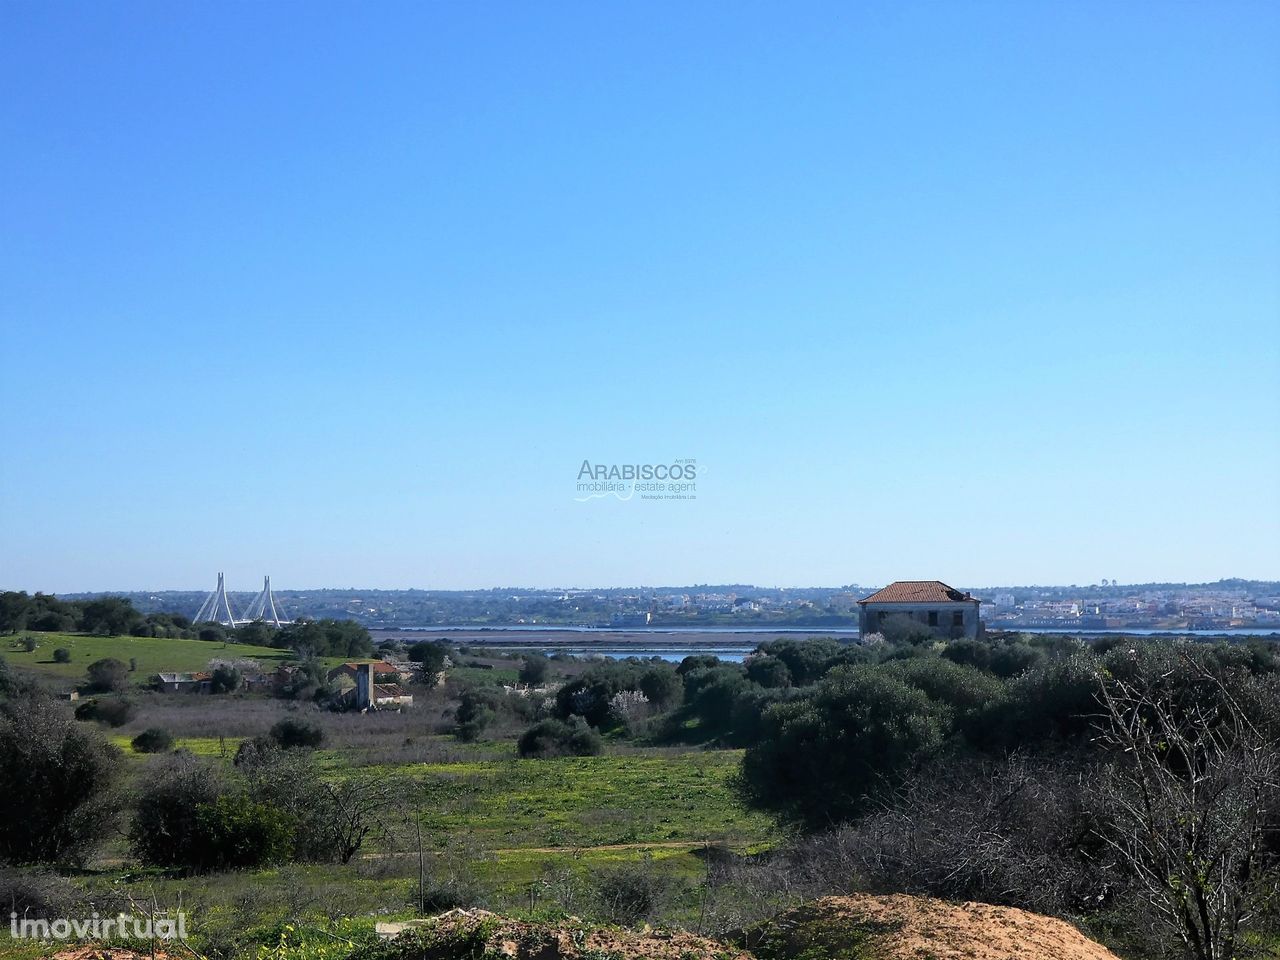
<point>355,807</point>
<point>1188,798</point>
<point>1014,831</point>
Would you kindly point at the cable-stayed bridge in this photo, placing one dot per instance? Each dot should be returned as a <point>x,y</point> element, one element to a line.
<point>217,607</point>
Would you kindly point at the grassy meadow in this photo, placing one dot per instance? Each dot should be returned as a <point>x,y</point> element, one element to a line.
<point>651,796</point>
<point>152,654</point>
<point>497,831</point>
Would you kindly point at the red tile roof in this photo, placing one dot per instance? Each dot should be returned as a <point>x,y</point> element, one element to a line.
<point>917,591</point>
<point>379,666</point>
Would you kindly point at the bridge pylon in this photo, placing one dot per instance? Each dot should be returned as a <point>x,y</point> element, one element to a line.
<point>263,606</point>
<point>216,607</point>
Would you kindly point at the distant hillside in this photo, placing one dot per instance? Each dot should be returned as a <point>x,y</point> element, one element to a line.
<point>689,606</point>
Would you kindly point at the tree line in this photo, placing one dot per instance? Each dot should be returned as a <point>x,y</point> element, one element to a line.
<point>117,616</point>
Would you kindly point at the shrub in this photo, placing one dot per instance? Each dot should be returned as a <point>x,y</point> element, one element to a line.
<point>746,719</point>
<point>1015,831</point>
<point>112,711</point>
<point>62,655</point>
<point>590,694</point>
<point>628,895</point>
<point>711,694</point>
<point>769,672</point>
<point>661,685</point>
<point>969,693</point>
<point>1012,659</point>
<point>107,675</point>
<point>37,894</point>
<point>152,740</point>
<point>806,660</point>
<point>28,644</point>
<point>187,817</point>
<point>1007,658</point>
<point>628,706</point>
<point>1056,701</point>
<point>441,893</point>
<point>900,629</point>
<point>234,833</point>
<point>307,681</point>
<point>825,757</point>
<point>56,801</point>
<point>332,820</point>
<point>293,732</point>
<point>476,710</point>
<point>164,831</point>
<point>535,669</point>
<point>255,750</point>
<point>697,661</point>
<point>225,679</point>
<point>432,655</point>
<point>558,738</point>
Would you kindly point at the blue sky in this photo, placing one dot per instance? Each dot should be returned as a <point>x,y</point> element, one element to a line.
<point>986,292</point>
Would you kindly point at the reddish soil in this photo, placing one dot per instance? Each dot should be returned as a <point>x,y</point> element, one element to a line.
<point>919,928</point>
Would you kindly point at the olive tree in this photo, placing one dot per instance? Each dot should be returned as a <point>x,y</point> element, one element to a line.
<point>69,772</point>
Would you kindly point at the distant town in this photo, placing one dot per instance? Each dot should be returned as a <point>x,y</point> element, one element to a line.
<point>1223,605</point>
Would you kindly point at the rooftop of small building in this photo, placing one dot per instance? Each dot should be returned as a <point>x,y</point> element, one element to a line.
<point>919,591</point>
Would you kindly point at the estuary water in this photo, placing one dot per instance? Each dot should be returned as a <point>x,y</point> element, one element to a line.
<point>675,643</point>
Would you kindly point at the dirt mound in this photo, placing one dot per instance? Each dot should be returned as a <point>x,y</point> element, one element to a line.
<point>472,933</point>
<point>915,928</point>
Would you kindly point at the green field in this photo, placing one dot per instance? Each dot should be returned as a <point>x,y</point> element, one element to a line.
<point>509,834</point>
<point>570,802</point>
<point>520,834</point>
<point>222,747</point>
<point>153,655</point>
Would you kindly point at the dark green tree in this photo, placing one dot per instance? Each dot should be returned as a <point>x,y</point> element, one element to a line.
<point>294,732</point>
<point>107,675</point>
<point>769,671</point>
<point>559,738</point>
<point>661,685</point>
<point>57,800</point>
<point>110,616</point>
<point>152,740</point>
<point>535,669</point>
<point>432,654</point>
<point>225,679</point>
<point>823,759</point>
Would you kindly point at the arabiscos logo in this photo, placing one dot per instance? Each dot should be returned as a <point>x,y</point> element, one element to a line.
<point>679,470</point>
<point>676,480</point>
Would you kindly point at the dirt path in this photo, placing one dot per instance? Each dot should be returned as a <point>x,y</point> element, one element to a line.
<point>659,845</point>
<point>587,848</point>
<point>656,845</point>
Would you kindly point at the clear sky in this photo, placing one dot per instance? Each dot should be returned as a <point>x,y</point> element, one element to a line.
<point>346,293</point>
